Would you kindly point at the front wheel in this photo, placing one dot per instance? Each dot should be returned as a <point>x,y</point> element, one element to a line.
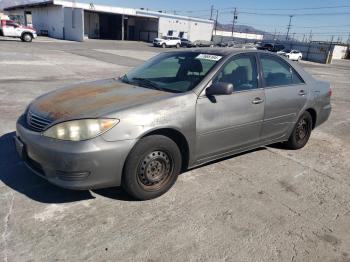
<point>301,132</point>
<point>152,167</point>
<point>177,45</point>
<point>27,37</point>
<point>164,45</point>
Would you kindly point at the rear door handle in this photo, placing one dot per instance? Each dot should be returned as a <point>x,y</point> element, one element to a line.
<point>302,93</point>
<point>257,100</point>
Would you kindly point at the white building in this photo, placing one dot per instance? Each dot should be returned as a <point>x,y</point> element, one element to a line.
<point>239,35</point>
<point>78,21</point>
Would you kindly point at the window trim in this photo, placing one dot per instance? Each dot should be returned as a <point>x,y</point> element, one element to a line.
<point>235,56</point>
<point>274,57</point>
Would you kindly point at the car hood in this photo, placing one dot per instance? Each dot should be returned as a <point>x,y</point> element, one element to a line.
<point>91,100</point>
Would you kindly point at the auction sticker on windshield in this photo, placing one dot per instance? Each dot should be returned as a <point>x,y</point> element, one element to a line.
<point>209,57</point>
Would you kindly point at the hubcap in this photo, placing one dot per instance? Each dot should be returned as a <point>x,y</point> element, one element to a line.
<point>302,130</point>
<point>154,170</point>
<point>27,37</point>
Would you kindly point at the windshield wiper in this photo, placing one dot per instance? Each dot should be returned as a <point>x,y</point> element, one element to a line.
<point>148,82</point>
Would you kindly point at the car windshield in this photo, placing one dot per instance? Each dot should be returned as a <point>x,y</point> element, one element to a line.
<point>286,50</point>
<point>173,72</point>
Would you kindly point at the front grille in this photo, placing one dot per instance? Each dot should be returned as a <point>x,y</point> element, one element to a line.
<point>37,123</point>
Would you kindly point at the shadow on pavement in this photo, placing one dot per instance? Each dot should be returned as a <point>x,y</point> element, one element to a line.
<point>15,174</point>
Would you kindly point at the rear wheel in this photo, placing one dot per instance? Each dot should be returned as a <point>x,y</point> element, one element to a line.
<point>177,45</point>
<point>26,37</point>
<point>152,167</point>
<point>301,132</point>
<point>164,45</point>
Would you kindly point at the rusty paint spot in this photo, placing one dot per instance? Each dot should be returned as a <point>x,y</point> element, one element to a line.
<point>86,98</point>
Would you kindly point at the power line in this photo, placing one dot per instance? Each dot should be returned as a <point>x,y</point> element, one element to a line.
<point>297,9</point>
<point>279,14</point>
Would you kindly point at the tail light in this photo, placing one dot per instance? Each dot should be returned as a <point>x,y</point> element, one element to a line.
<point>330,92</point>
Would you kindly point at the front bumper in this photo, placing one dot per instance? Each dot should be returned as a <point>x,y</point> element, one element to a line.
<point>81,165</point>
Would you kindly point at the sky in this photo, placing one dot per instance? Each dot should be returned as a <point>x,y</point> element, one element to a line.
<point>328,22</point>
<point>326,18</point>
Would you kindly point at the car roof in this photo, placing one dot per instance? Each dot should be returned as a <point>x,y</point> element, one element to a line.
<point>221,51</point>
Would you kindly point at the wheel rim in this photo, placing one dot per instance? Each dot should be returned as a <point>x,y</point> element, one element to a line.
<point>302,131</point>
<point>155,170</point>
<point>27,37</point>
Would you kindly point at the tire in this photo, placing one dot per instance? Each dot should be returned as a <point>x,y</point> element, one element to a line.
<point>152,167</point>
<point>26,37</point>
<point>163,45</point>
<point>177,45</point>
<point>211,46</point>
<point>301,132</point>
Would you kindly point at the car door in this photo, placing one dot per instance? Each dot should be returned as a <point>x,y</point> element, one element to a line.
<point>285,96</point>
<point>9,28</point>
<point>226,123</point>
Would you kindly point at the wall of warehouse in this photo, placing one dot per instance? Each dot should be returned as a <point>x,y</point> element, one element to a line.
<point>49,19</point>
<point>193,29</point>
<point>73,24</point>
<point>339,52</point>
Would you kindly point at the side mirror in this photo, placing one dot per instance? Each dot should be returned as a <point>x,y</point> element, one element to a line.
<point>219,88</point>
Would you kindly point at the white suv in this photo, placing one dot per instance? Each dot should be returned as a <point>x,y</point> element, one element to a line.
<point>10,28</point>
<point>167,41</point>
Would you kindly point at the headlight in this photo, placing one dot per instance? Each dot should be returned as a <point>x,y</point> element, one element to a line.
<point>78,130</point>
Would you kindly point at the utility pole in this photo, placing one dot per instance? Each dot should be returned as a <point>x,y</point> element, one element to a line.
<point>216,20</point>
<point>303,38</point>
<point>234,20</point>
<point>289,26</point>
<point>211,12</point>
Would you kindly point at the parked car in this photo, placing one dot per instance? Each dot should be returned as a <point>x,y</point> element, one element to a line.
<point>295,55</point>
<point>227,44</point>
<point>203,43</point>
<point>10,28</point>
<point>177,111</point>
<point>245,46</point>
<point>271,47</point>
<point>185,42</point>
<point>167,41</point>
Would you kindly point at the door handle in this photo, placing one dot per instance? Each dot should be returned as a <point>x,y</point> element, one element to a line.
<point>302,93</point>
<point>257,100</point>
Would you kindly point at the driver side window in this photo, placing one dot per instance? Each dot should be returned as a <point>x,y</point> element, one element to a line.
<point>241,71</point>
<point>11,24</point>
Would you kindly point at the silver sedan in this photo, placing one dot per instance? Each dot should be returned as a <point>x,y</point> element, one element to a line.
<point>178,110</point>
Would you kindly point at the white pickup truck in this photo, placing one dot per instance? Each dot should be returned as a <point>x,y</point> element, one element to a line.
<point>10,28</point>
